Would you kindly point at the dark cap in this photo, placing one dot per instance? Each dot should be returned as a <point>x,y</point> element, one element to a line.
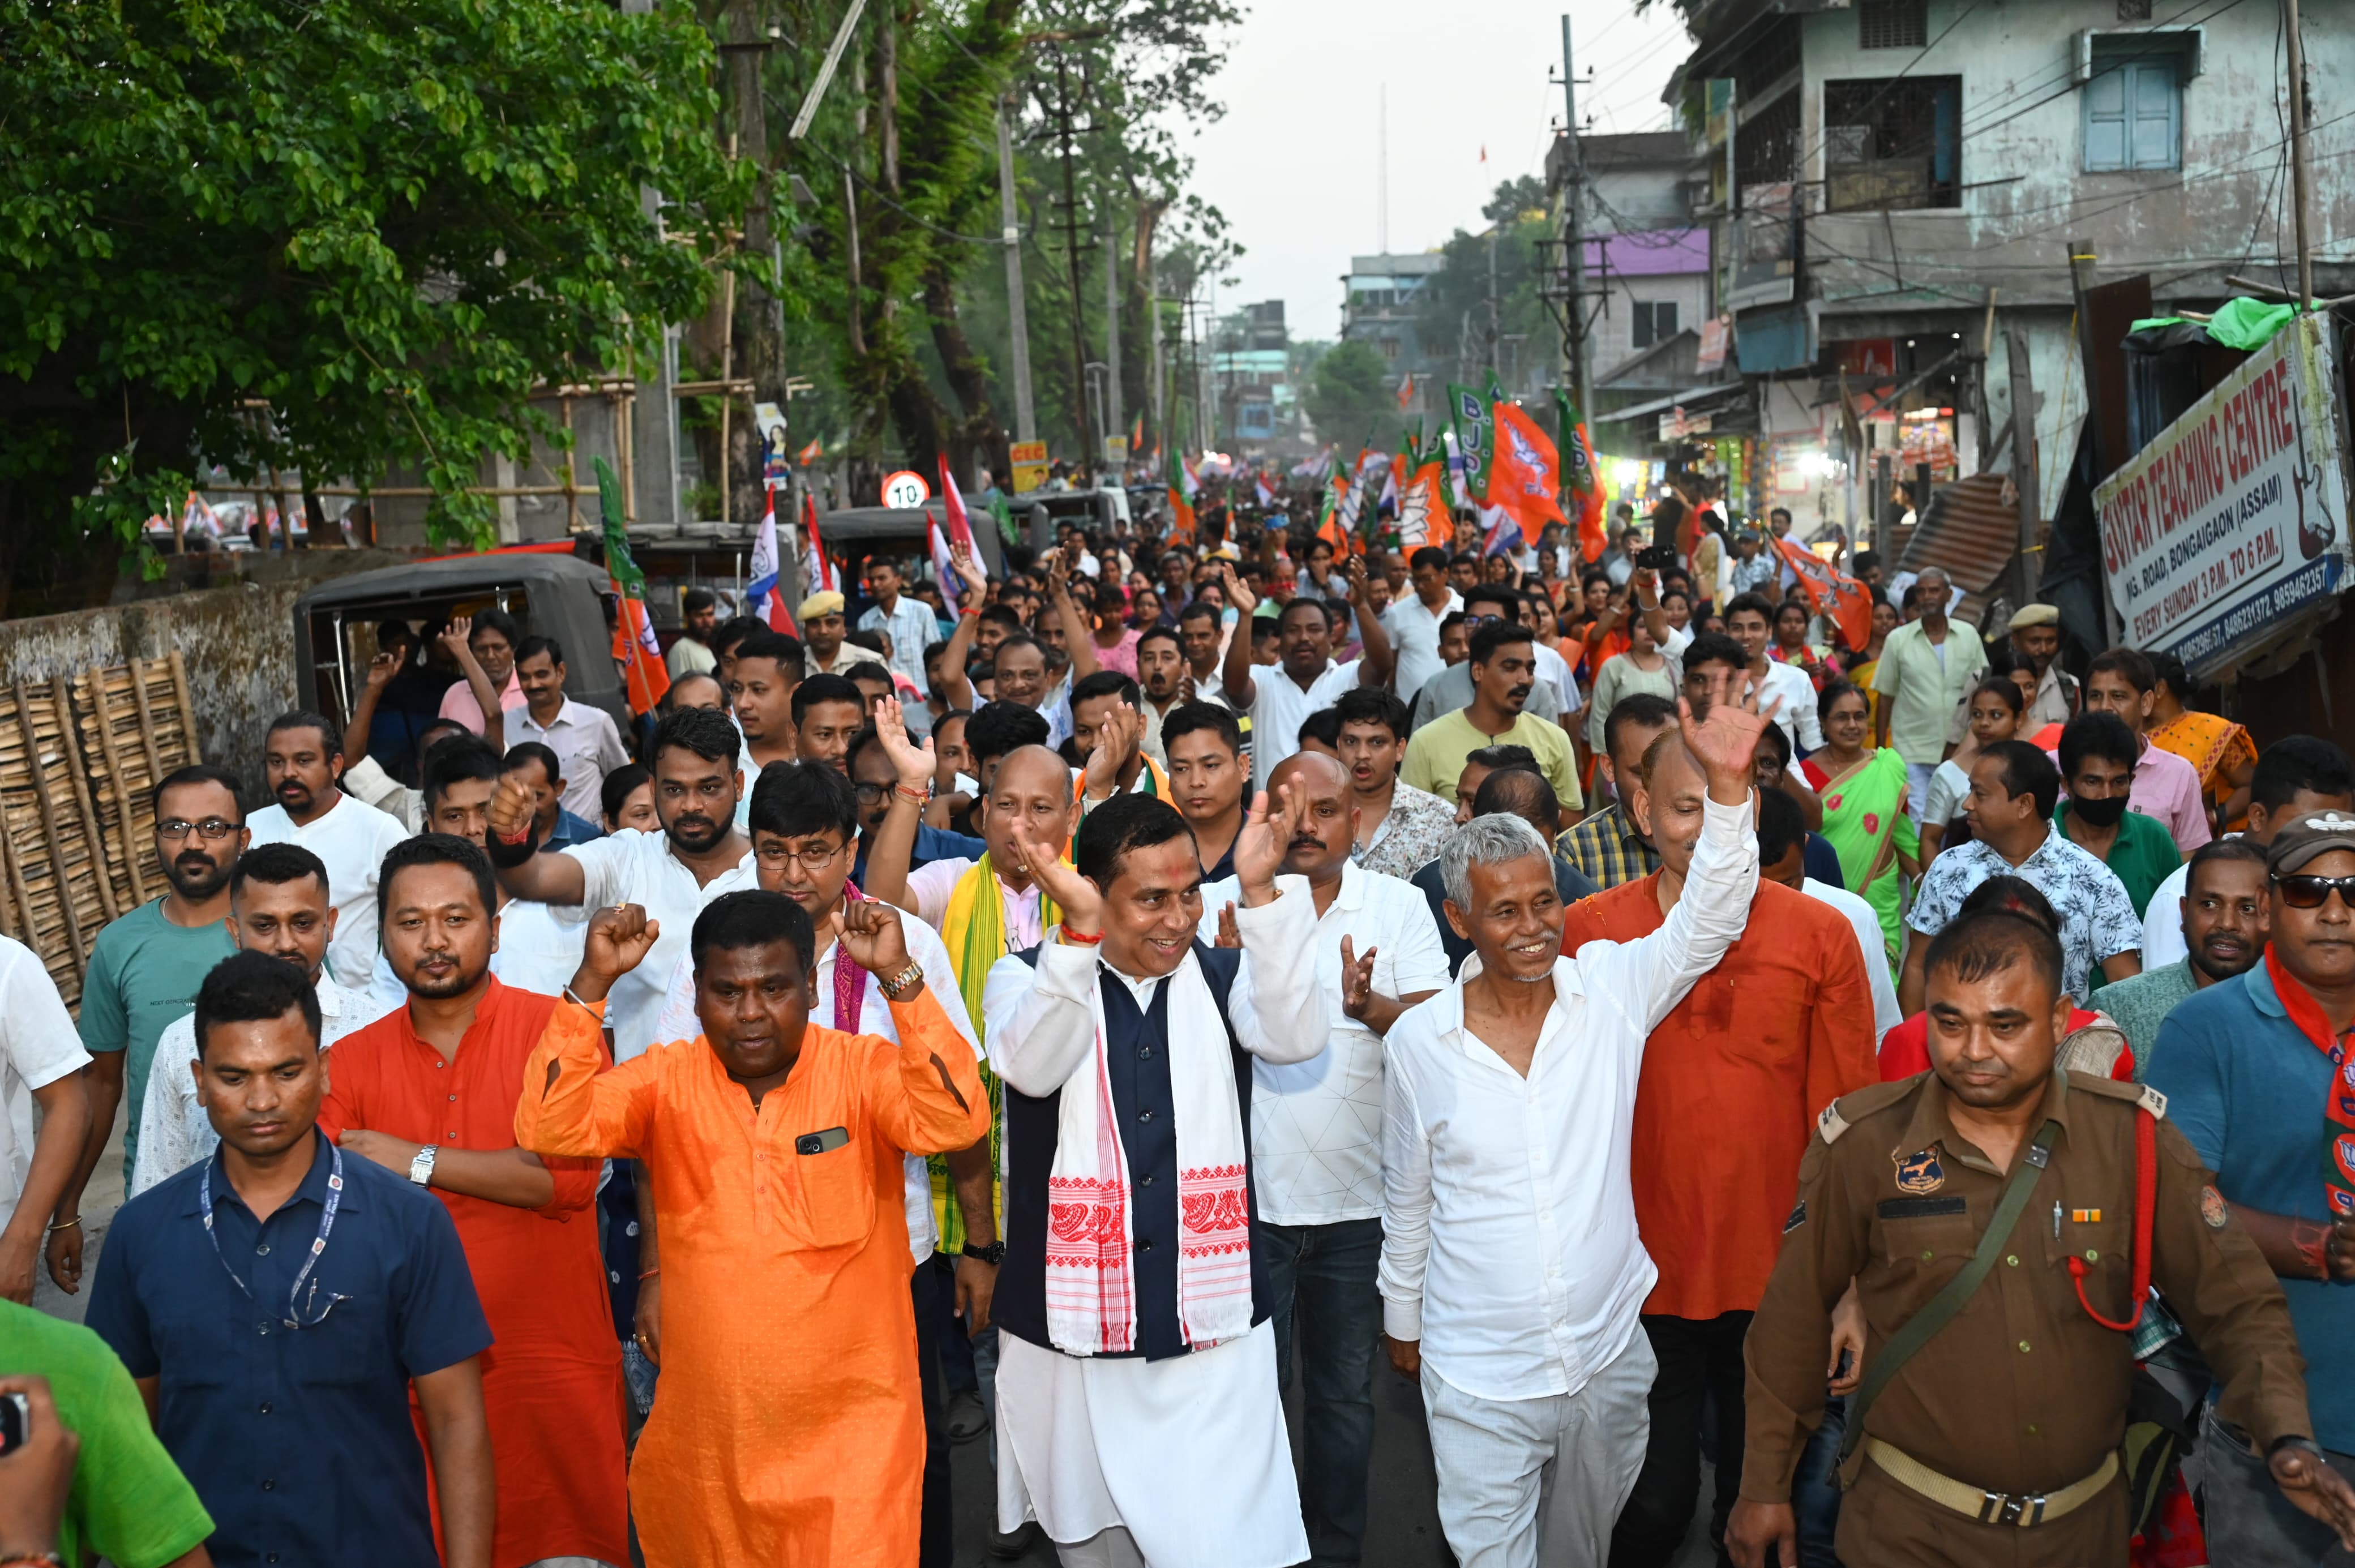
<point>2308,837</point>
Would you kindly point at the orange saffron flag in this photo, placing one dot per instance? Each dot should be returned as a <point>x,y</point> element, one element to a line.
<point>1525,475</point>
<point>1833,593</point>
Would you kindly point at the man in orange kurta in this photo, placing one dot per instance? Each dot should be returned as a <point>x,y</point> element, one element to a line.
<point>1732,1081</point>
<point>429,1089</point>
<point>789,1427</point>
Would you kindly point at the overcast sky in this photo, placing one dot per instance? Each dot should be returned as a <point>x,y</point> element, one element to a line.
<point>1293,165</point>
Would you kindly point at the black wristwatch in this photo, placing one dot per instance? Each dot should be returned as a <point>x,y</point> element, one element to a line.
<point>992,1254</point>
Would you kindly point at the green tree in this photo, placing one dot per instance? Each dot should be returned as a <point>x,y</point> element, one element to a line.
<point>1484,301</point>
<point>1347,400</point>
<point>329,238</point>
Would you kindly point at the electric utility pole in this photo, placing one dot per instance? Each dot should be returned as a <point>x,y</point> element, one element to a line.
<point>1573,229</point>
<point>1018,309</point>
<point>1090,453</point>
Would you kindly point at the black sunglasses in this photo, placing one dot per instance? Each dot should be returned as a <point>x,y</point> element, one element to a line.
<point>2312,892</point>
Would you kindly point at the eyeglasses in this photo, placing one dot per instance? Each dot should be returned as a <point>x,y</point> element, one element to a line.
<point>2312,893</point>
<point>212,829</point>
<point>812,859</point>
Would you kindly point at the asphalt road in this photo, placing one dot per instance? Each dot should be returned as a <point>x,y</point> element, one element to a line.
<point>1402,1524</point>
<point>1402,1528</point>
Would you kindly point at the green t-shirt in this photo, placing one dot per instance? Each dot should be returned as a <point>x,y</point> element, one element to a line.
<point>1435,757</point>
<point>143,974</point>
<point>2142,856</point>
<point>128,1503</point>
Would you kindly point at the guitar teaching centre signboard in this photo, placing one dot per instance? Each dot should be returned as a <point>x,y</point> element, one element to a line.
<point>2235,516</point>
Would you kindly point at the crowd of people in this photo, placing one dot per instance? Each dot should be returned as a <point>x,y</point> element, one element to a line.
<point>1679,1042</point>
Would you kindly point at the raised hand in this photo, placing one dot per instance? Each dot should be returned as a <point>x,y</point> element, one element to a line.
<point>1229,934</point>
<point>969,569</point>
<point>455,634</point>
<point>1259,846</point>
<point>381,669</point>
<point>1725,739</point>
<point>1042,861</point>
<point>511,808</point>
<point>1357,979</point>
<point>1116,737</point>
<point>1242,598</point>
<point>618,940</point>
<point>872,936</point>
<point>915,763</point>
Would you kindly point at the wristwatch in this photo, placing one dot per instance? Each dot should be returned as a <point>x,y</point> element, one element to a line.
<point>420,1169</point>
<point>901,986</point>
<point>992,1254</point>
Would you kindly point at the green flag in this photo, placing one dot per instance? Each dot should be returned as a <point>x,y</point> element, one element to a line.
<point>1475,419</point>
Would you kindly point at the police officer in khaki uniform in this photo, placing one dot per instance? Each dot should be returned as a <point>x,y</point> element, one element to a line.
<point>1991,1430</point>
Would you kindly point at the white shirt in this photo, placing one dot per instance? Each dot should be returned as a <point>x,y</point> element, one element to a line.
<point>912,628</point>
<point>933,883</point>
<point>1278,705</point>
<point>633,866</point>
<point>1414,634</point>
<point>1553,669</point>
<point>1797,715</point>
<point>174,1131</point>
<point>540,945</point>
<point>368,780</point>
<point>678,1021</point>
<point>37,1047</point>
<point>1316,1126</point>
<point>2162,919</point>
<point>1509,1246</point>
<point>587,747</point>
<point>350,837</point>
<point>1886,1014</point>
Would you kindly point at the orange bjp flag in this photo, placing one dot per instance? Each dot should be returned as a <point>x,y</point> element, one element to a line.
<point>1525,474</point>
<point>1833,594</point>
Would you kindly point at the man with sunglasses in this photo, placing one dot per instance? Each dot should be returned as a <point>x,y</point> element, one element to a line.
<point>2256,1073</point>
<point>145,969</point>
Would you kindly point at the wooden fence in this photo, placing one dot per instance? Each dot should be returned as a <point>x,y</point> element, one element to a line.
<point>80,756</point>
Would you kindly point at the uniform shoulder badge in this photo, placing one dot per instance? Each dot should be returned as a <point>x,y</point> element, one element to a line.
<point>2213,1210</point>
<point>1849,1109</point>
<point>1919,1173</point>
<point>2141,1094</point>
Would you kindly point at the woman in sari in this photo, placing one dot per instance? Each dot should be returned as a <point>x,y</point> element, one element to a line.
<point>1863,792</point>
<point>2218,751</point>
<point>1860,666</point>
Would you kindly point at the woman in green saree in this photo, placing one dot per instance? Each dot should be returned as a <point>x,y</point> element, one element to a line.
<point>1863,792</point>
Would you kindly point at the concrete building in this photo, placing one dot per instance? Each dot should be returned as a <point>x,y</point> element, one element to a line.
<point>1379,308</point>
<point>1900,167</point>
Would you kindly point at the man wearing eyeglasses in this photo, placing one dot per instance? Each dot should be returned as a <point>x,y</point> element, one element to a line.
<point>2255,1073</point>
<point>145,969</point>
<point>872,775</point>
<point>804,823</point>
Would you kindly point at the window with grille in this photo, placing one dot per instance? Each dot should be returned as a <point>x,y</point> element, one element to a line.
<point>1389,348</point>
<point>1892,24</point>
<point>1893,143</point>
<point>1655,321</point>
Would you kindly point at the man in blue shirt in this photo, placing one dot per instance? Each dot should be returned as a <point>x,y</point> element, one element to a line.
<point>279,1365</point>
<point>874,775</point>
<point>2258,1076</point>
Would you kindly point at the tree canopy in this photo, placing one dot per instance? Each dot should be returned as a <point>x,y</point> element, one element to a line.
<point>331,238</point>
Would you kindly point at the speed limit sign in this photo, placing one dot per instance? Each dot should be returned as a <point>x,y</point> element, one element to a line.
<point>906,490</point>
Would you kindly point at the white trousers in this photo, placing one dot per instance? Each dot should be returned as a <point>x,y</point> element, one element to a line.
<point>1524,1482</point>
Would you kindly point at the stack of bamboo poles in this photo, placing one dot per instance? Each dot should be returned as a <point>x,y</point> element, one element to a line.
<point>78,760</point>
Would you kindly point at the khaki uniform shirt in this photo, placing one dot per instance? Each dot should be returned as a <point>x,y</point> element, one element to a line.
<point>2021,1392</point>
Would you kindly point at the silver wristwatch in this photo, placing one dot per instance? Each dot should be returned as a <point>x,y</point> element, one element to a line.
<point>420,1169</point>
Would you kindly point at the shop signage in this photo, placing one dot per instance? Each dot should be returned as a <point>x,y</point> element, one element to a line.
<point>2235,516</point>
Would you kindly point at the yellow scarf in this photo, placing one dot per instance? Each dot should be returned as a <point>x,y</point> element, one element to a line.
<point>973,932</point>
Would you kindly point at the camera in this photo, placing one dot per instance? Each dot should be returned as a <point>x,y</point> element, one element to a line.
<point>16,1421</point>
<point>1656,558</point>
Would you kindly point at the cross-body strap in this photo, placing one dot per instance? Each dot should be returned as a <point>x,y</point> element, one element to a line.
<point>1940,1309</point>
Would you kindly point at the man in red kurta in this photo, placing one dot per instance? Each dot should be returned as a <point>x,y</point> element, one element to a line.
<point>430,1091</point>
<point>1731,1084</point>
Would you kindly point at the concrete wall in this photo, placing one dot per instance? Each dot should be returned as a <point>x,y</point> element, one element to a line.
<point>237,640</point>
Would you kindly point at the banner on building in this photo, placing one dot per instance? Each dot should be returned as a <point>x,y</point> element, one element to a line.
<point>1030,461</point>
<point>2235,516</point>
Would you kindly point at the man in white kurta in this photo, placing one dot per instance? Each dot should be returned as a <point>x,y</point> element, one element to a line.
<point>1138,1417</point>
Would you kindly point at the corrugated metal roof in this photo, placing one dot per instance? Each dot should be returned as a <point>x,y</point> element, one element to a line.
<point>1969,533</point>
